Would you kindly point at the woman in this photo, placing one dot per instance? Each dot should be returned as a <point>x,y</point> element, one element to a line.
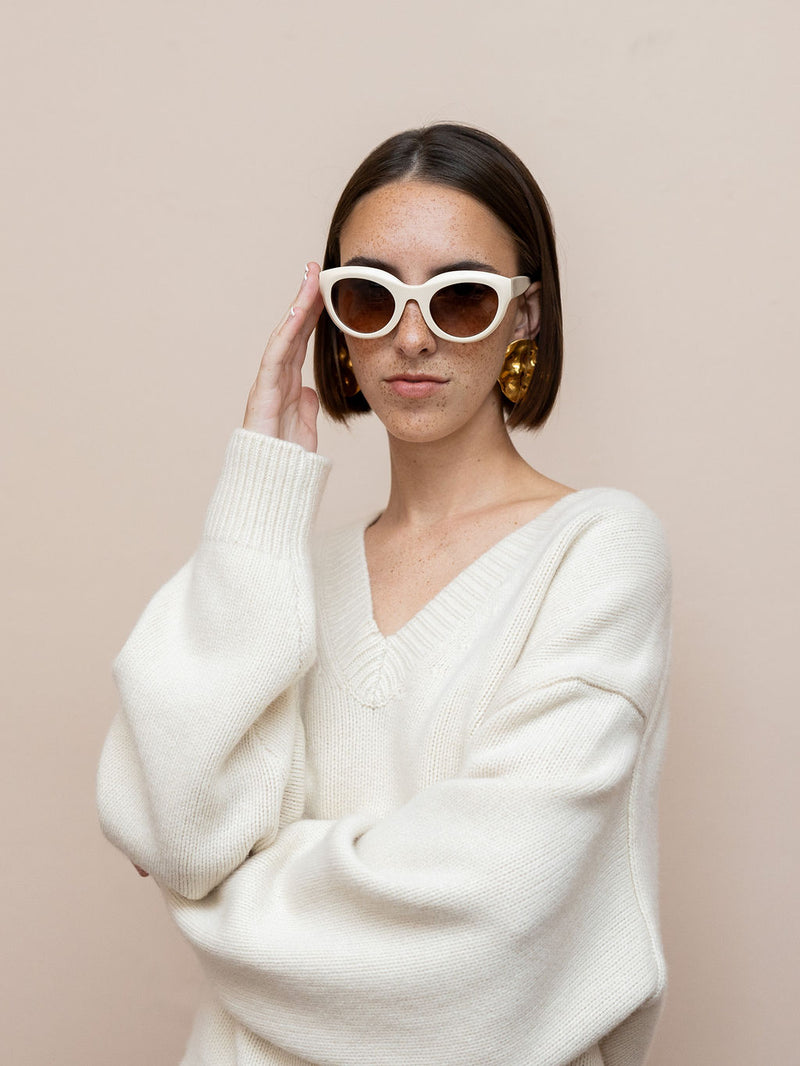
<point>401,800</point>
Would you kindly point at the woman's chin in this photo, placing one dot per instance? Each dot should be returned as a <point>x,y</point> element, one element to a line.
<point>427,421</point>
<point>427,427</point>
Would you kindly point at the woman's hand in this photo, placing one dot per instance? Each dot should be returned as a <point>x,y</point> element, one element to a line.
<point>279,405</point>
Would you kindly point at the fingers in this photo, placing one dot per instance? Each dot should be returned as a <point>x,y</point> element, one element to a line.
<point>279,405</point>
<point>286,348</point>
<point>299,323</point>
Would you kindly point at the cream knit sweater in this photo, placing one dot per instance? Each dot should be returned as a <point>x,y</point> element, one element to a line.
<point>437,847</point>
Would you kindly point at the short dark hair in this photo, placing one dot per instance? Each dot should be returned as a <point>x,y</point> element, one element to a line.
<point>476,163</point>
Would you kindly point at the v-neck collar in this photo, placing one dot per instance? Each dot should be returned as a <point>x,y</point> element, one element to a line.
<point>372,664</point>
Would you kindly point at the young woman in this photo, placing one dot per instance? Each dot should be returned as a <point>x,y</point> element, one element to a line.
<point>399,792</point>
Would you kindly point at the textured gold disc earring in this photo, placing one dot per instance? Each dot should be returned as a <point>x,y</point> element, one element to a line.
<point>517,372</point>
<point>350,386</point>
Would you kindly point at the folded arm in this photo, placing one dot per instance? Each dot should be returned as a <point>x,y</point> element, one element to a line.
<point>205,758</point>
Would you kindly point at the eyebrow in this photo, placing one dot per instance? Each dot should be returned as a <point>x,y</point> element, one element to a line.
<point>462,264</point>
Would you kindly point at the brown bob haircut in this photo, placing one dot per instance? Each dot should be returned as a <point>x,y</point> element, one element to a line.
<point>476,163</point>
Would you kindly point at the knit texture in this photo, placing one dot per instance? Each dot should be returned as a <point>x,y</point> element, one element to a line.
<point>436,847</point>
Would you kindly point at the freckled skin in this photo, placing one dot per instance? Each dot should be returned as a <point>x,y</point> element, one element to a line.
<point>419,228</point>
<point>458,484</point>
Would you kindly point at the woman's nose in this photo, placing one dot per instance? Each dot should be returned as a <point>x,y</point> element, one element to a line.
<point>412,335</point>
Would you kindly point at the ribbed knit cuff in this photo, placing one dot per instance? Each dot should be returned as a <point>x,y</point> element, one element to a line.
<point>267,495</point>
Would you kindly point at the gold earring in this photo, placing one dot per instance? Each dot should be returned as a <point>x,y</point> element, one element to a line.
<point>350,386</point>
<point>517,372</point>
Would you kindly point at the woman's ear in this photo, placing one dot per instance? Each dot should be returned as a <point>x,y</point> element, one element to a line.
<point>529,309</point>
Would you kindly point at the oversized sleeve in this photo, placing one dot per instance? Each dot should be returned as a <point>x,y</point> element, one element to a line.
<point>503,914</point>
<point>204,760</point>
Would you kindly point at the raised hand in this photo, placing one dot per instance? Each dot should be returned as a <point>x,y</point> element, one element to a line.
<point>279,405</point>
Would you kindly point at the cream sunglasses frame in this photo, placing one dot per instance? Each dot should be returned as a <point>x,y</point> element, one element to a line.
<point>506,289</point>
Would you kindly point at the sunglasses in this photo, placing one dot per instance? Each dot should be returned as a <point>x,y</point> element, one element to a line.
<point>460,305</point>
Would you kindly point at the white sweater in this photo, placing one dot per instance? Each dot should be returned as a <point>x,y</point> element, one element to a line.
<point>437,847</point>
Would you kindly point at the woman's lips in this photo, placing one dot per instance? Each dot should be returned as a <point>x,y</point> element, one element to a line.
<point>415,386</point>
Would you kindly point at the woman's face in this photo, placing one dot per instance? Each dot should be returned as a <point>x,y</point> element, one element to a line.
<point>421,387</point>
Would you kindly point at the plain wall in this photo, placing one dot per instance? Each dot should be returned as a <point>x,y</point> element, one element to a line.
<point>168,169</point>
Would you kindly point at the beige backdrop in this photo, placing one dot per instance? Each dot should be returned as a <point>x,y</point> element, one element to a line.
<point>168,169</point>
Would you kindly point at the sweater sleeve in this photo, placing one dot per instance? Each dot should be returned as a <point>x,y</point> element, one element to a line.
<point>505,914</point>
<point>207,680</point>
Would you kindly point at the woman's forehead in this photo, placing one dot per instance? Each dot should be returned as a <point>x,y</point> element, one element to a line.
<point>428,225</point>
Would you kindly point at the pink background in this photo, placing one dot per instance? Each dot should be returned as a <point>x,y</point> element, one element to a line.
<point>168,169</point>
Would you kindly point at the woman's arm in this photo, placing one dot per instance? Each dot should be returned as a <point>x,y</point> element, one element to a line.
<point>506,914</point>
<point>196,766</point>
<point>205,758</point>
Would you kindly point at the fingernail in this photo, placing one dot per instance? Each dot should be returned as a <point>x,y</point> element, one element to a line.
<point>305,275</point>
<point>291,312</point>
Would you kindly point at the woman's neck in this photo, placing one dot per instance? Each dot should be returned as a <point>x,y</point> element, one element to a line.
<point>464,473</point>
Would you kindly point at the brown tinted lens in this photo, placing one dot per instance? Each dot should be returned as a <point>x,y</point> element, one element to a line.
<point>363,306</point>
<point>464,310</point>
